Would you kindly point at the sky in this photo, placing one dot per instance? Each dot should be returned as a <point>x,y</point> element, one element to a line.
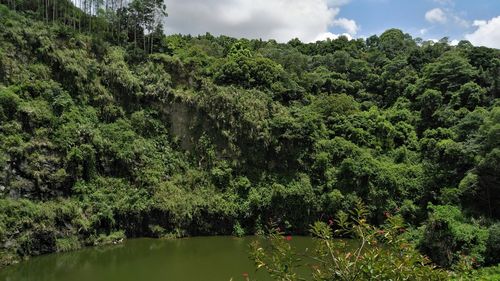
<point>310,20</point>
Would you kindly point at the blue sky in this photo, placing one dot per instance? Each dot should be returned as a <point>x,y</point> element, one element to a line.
<point>375,16</point>
<point>310,20</point>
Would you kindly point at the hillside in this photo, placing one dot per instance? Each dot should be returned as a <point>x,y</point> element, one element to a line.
<point>214,135</point>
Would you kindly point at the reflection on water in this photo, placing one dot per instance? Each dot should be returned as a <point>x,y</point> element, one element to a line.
<point>191,259</point>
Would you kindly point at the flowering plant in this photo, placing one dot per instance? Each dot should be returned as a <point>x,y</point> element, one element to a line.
<point>379,253</point>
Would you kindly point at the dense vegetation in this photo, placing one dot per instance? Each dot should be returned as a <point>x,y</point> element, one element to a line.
<point>110,129</point>
<point>374,254</point>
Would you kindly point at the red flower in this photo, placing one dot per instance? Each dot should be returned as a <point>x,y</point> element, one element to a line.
<point>288,238</point>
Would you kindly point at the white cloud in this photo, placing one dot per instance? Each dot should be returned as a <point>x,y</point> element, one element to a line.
<point>436,16</point>
<point>423,31</point>
<point>329,35</point>
<point>440,16</point>
<point>487,33</point>
<point>267,19</point>
<point>349,25</point>
<point>480,22</point>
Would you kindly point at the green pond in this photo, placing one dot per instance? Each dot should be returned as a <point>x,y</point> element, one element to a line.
<point>190,259</point>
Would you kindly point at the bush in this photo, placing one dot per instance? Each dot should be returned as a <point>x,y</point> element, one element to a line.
<point>157,231</point>
<point>7,258</point>
<point>9,104</point>
<point>37,242</point>
<point>113,238</point>
<point>493,245</point>
<point>333,259</point>
<point>448,236</point>
<point>67,244</point>
<point>238,231</point>
<point>483,274</point>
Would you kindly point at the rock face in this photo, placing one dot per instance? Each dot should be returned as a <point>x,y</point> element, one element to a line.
<point>183,121</point>
<point>221,118</point>
<point>36,173</point>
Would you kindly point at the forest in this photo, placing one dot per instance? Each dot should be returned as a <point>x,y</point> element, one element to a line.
<point>111,129</point>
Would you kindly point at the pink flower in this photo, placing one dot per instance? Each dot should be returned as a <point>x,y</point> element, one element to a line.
<point>288,238</point>
<point>330,222</point>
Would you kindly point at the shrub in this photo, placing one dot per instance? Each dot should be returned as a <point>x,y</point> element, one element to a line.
<point>238,231</point>
<point>157,231</point>
<point>448,235</point>
<point>113,238</point>
<point>394,259</point>
<point>9,103</point>
<point>37,242</point>
<point>483,274</point>
<point>67,244</point>
<point>493,244</point>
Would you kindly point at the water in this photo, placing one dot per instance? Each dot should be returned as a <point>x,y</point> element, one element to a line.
<point>190,259</point>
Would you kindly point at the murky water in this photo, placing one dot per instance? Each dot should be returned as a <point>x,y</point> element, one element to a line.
<point>190,259</point>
